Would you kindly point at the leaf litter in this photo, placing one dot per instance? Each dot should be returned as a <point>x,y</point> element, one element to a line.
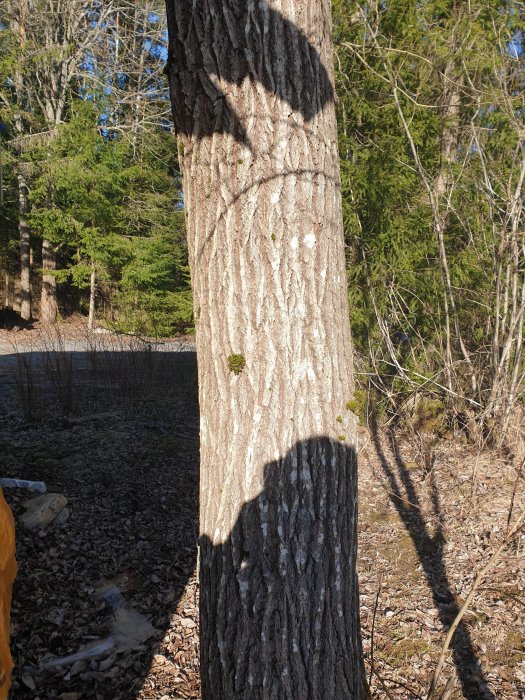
<point>129,549</point>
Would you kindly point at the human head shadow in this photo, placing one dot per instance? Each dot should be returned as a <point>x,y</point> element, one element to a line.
<point>286,574</point>
<point>134,512</point>
<point>404,497</point>
<point>198,55</point>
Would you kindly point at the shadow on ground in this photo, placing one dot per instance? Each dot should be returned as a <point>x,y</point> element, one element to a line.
<point>117,434</point>
<point>429,544</point>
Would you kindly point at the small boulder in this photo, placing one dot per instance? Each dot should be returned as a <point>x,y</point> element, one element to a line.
<point>42,510</point>
<point>61,518</point>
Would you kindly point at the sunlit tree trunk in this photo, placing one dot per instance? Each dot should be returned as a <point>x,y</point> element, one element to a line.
<point>48,298</point>
<point>25,251</point>
<point>253,106</point>
<point>19,30</point>
<point>92,289</point>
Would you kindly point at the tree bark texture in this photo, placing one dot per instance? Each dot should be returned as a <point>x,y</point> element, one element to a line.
<point>48,297</point>
<point>19,29</point>
<point>25,251</point>
<point>92,293</point>
<point>252,96</point>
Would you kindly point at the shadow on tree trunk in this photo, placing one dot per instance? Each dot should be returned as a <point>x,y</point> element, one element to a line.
<point>194,72</point>
<point>279,598</point>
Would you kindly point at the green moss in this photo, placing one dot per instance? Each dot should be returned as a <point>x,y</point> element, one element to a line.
<point>399,651</point>
<point>358,405</point>
<point>236,363</point>
<point>339,419</point>
<point>429,415</point>
<point>273,236</point>
<point>379,516</point>
<point>342,438</point>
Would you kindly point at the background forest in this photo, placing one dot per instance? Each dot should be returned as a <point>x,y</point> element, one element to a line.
<point>430,105</point>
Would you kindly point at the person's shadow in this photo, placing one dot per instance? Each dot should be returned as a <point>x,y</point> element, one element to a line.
<point>279,598</point>
<point>200,56</point>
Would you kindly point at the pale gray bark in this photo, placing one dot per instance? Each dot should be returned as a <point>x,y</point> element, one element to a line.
<point>25,251</point>
<point>92,290</point>
<point>253,104</point>
<point>19,18</point>
<point>48,299</point>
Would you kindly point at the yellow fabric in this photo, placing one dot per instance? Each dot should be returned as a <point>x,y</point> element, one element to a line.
<point>7,576</point>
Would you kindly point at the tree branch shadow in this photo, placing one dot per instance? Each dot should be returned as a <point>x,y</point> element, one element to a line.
<point>429,547</point>
<point>200,55</point>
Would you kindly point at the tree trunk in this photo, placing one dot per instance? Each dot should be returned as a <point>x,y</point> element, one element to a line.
<point>253,105</point>
<point>25,251</point>
<point>19,27</point>
<point>48,298</point>
<point>441,209</point>
<point>92,288</point>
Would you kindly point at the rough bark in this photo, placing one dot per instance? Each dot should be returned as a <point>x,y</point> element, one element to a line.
<point>253,105</point>
<point>25,251</point>
<point>48,297</point>
<point>92,292</point>
<point>19,29</point>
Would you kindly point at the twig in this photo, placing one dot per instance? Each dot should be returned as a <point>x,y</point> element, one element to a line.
<point>372,633</point>
<point>383,686</point>
<point>511,508</point>
<point>506,594</point>
<point>481,574</point>
<point>448,688</point>
<point>440,386</point>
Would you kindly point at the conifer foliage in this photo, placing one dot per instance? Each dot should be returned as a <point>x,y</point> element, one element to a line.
<point>95,183</point>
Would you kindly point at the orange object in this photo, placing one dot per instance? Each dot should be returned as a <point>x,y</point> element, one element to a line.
<point>7,577</point>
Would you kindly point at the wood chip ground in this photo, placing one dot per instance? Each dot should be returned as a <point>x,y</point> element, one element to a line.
<point>130,473</point>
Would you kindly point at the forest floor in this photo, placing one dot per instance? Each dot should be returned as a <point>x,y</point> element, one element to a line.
<point>113,425</point>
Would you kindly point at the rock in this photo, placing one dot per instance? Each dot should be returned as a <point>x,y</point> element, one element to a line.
<point>61,518</point>
<point>42,510</point>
